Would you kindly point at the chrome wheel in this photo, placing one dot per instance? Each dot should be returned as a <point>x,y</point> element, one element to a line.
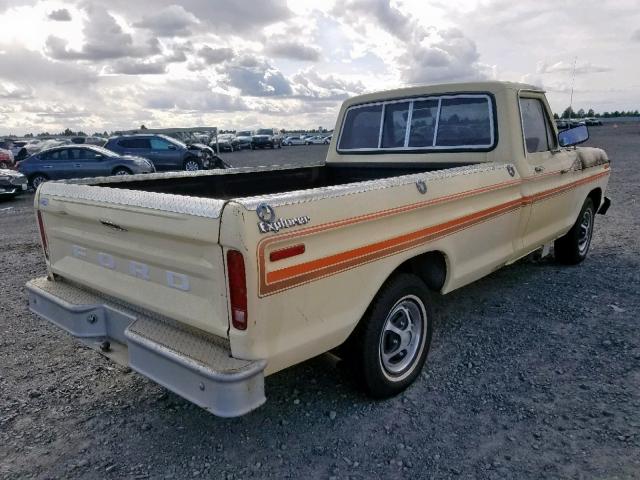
<point>402,336</point>
<point>191,166</point>
<point>585,231</point>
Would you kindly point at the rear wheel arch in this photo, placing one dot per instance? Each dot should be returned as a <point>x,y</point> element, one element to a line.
<point>596,196</point>
<point>431,267</point>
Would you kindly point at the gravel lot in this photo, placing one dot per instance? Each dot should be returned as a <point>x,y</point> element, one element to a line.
<point>534,373</point>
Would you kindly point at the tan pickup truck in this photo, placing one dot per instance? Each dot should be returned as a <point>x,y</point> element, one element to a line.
<point>206,282</point>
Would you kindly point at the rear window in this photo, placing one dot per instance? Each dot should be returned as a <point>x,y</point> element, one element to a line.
<point>444,122</point>
<point>361,128</point>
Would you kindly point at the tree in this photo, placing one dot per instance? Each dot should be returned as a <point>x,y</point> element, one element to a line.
<point>142,127</point>
<point>580,113</point>
<point>568,113</point>
<point>591,113</point>
<point>556,116</point>
<point>67,132</point>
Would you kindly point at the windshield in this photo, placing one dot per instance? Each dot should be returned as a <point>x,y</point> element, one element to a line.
<point>244,134</point>
<point>175,141</point>
<point>264,131</point>
<point>103,151</point>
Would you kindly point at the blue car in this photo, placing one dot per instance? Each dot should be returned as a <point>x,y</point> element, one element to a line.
<point>80,161</point>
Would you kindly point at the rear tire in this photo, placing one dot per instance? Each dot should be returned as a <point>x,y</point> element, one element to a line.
<point>391,342</point>
<point>573,247</point>
<point>121,171</point>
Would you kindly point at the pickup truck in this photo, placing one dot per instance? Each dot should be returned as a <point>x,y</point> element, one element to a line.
<point>207,282</point>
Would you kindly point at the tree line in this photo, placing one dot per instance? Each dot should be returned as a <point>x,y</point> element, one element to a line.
<point>570,113</point>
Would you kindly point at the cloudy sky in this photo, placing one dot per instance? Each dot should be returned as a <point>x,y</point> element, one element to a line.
<point>106,65</point>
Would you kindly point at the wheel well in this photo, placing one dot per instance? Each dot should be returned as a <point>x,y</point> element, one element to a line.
<point>431,267</point>
<point>596,196</point>
<point>120,167</point>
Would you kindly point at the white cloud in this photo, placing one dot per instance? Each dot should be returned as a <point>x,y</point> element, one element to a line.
<point>172,21</point>
<point>239,64</point>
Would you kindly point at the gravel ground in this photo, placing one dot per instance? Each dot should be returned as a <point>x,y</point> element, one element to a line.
<point>534,373</point>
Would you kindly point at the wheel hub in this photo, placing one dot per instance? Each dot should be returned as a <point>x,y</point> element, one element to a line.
<point>402,335</point>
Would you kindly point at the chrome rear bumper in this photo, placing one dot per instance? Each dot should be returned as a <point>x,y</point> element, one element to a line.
<point>194,364</point>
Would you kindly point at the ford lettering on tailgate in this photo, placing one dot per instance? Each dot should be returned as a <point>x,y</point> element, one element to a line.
<point>134,268</point>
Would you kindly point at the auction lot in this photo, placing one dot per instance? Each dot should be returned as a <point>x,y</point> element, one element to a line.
<point>534,372</point>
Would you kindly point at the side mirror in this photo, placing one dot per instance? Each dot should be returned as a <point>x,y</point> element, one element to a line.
<point>573,136</point>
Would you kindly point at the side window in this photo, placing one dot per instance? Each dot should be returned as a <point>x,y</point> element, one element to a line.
<point>395,124</point>
<point>423,123</point>
<point>538,136</point>
<point>361,128</point>
<point>86,154</point>
<point>464,122</point>
<point>159,143</point>
<point>58,155</point>
<point>135,143</point>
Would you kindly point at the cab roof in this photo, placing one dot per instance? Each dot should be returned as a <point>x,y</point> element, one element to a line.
<point>418,90</point>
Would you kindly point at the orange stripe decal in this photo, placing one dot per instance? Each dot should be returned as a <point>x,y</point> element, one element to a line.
<point>289,277</point>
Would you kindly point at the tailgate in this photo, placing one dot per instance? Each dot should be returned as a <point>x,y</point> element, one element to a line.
<point>157,251</point>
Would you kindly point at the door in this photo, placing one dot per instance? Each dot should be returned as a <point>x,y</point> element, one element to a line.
<point>56,164</point>
<point>547,186</point>
<point>166,155</point>
<point>87,163</point>
<point>138,146</point>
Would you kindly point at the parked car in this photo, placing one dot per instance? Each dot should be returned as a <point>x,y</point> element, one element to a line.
<point>99,141</point>
<point>17,148</point>
<point>12,183</point>
<point>245,139</point>
<point>267,137</point>
<point>592,121</point>
<point>6,159</point>
<point>293,140</point>
<point>278,265</point>
<point>314,140</point>
<point>80,161</point>
<point>165,153</point>
<point>227,142</point>
<point>327,140</point>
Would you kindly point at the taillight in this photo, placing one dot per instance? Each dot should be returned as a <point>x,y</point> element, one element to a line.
<point>43,235</point>
<point>237,289</point>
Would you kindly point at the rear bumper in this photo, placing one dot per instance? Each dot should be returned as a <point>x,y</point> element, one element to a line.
<point>193,364</point>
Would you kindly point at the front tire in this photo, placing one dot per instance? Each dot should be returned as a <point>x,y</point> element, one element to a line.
<point>573,247</point>
<point>37,179</point>
<point>121,171</point>
<point>191,165</point>
<point>392,340</point>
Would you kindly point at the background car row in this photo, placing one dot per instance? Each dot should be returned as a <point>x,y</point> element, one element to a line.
<point>40,160</point>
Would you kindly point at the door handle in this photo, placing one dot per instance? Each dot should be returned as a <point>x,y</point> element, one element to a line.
<point>539,169</point>
<point>77,164</point>
<point>47,166</point>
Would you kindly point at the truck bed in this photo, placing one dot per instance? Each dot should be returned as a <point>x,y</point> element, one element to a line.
<point>246,182</point>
